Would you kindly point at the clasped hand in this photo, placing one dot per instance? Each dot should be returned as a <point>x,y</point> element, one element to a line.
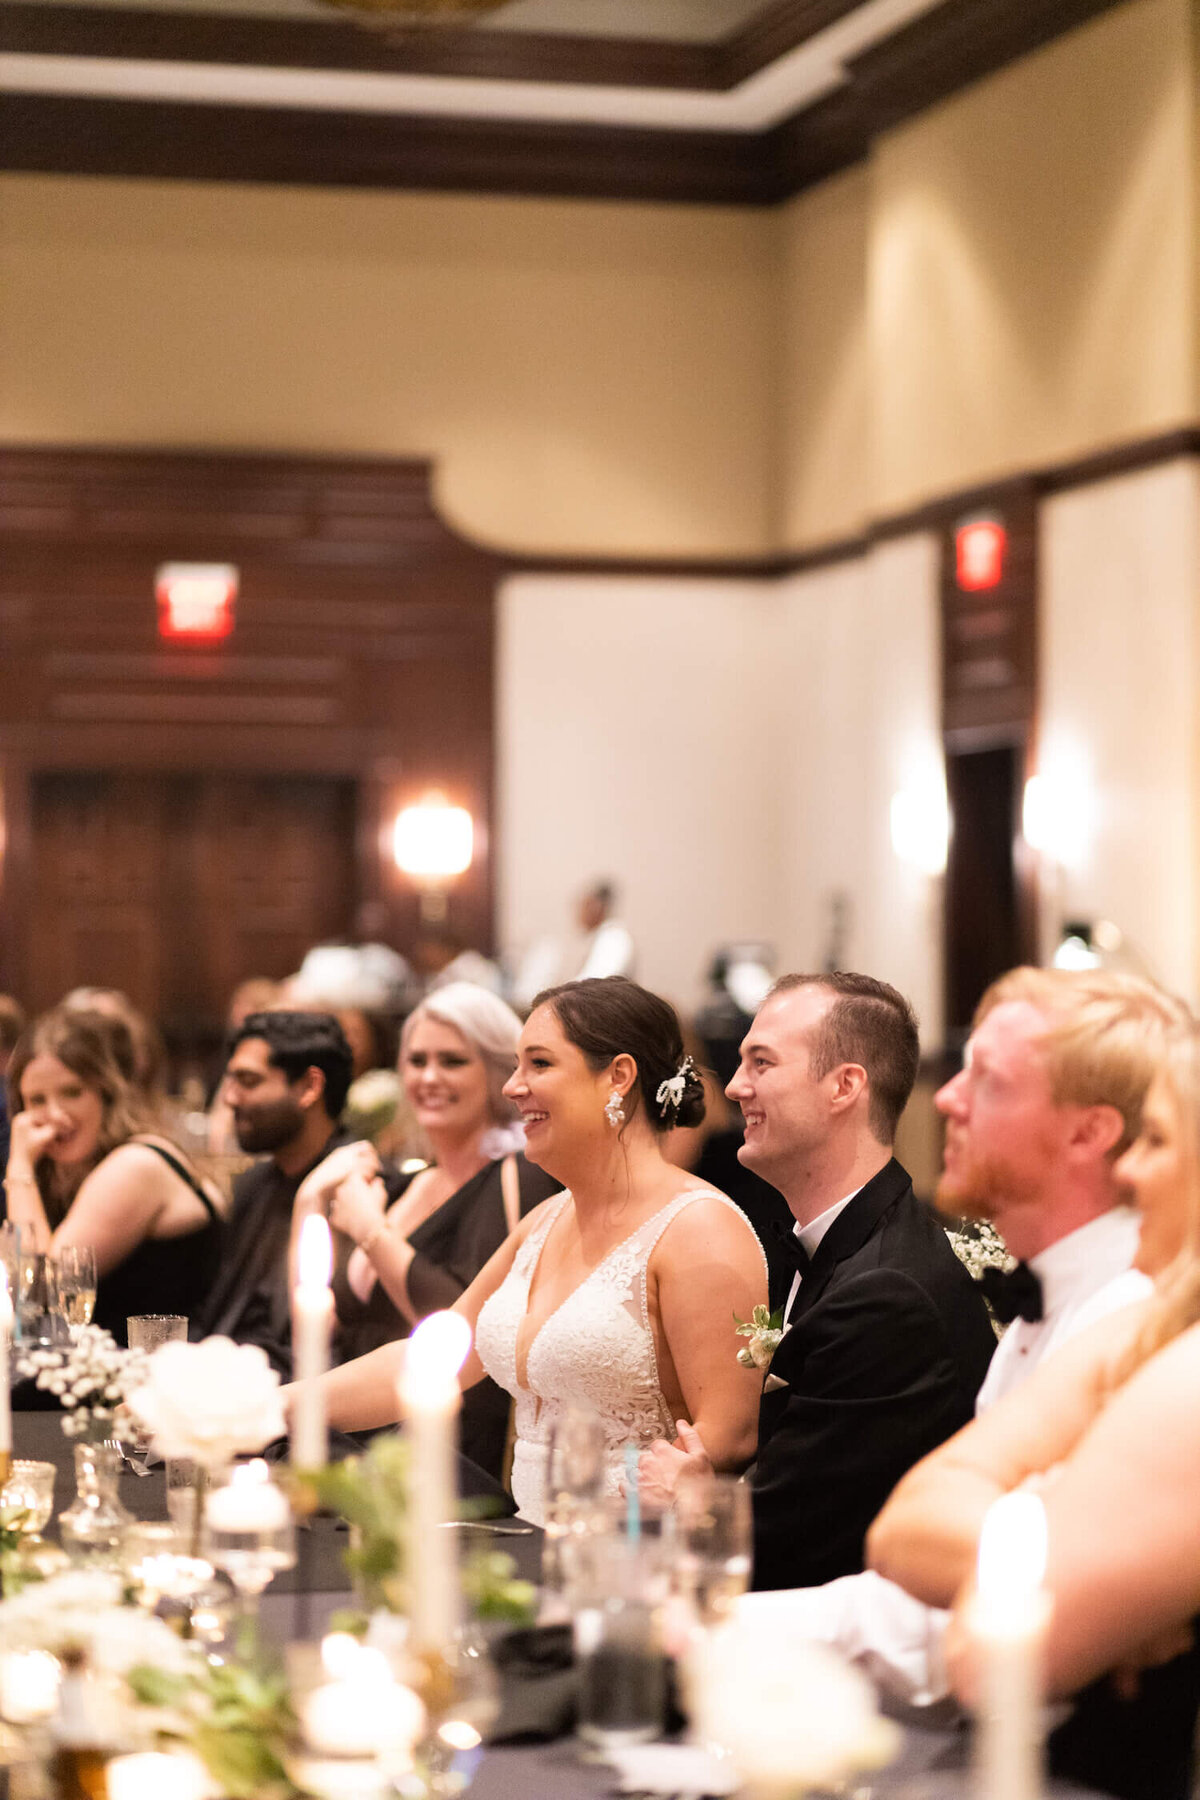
<point>663,1466</point>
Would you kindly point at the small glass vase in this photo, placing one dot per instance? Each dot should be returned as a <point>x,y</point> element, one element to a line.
<point>93,1527</point>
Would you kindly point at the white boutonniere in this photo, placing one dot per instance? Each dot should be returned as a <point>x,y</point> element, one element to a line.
<point>765,1331</point>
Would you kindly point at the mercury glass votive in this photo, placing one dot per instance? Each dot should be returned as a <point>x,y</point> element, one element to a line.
<point>28,1496</point>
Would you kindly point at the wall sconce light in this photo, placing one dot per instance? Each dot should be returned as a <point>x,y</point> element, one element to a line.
<point>195,601</point>
<point>920,821</point>
<point>432,842</point>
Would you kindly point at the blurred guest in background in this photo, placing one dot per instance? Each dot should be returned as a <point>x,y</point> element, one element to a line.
<point>149,1051</point>
<point>607,948</point>
<point>12,1024</point>
<point>440,957</point>
<point>87,1167</point>
<point>286,1082</point>
<point>410,1244</point>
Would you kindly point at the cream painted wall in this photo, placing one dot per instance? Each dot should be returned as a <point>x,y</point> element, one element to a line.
<point>1031,291</point>
<point>587,376</point>
<point>636,739</point>
<point>859,699</point>
<point>728,752</point>
<point>1120,698</point>
<point>824,474</point>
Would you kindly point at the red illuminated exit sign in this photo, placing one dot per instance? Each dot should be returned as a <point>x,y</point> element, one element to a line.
<point>980,546</point>
<point>195,601</point>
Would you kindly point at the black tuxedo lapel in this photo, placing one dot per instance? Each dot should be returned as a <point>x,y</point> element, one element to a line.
<point>849,1232</point>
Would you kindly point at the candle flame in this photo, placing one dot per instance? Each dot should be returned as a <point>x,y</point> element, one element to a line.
<point>314,1258</point>
<point>1012,1547</point>
<point>250,1474</point>
<point>437,1349</point>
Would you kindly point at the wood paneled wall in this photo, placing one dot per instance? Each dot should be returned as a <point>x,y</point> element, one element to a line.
<point>358,674</point>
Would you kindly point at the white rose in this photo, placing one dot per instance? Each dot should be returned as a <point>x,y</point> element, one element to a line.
<point>762,1349</point>
<point>209,1401</point>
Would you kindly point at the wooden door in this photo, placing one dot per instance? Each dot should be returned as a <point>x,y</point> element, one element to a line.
<point>176,887</point>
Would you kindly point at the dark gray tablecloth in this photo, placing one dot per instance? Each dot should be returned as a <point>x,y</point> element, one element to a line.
<point>934,1763</point>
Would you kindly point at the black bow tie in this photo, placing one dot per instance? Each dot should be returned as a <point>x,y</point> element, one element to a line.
<point>791,1249</point>
<point>1013,1293</point>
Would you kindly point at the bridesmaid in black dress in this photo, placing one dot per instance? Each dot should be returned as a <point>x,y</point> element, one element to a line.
<point>408,1244</point>
<point>87,1167</point>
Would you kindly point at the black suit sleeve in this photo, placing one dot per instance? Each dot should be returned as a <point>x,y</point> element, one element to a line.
<point>872,1385</point>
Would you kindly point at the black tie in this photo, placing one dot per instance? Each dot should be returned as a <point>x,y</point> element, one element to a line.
<point>791,1249</point>
<point>1013,1293</point>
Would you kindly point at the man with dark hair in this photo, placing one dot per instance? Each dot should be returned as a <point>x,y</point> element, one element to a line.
<point>885,1339</point>
<point>285,1083</point>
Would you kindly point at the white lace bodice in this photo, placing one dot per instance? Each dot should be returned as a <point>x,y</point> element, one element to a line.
<point>595,1350</point>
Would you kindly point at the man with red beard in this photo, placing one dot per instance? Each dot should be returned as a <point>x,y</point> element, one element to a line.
<point>1050,1094</point>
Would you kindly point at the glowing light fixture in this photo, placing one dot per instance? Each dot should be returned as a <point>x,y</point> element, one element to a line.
<point>195,600</point>
<point>433,842</point>
<point>920,823</point>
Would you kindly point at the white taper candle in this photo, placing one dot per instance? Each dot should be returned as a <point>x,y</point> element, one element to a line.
<point>313,1326</point>
<point>430,1400</point>
<point>1008,1620</point>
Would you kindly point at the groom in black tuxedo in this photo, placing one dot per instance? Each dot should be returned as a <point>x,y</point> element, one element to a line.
<point>887,1337</point>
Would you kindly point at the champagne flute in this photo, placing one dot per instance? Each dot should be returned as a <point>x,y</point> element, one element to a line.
<point>76,1285</point>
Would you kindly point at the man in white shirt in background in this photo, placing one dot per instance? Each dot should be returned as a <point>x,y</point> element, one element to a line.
<point>606,947</point>
<point>1050,1094</point>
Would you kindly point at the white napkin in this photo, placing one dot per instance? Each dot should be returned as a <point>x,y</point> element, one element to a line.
<point>671,1769</point>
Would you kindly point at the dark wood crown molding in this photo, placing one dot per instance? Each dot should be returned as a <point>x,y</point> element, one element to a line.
<point>339,42</point>
<point>937,54</point>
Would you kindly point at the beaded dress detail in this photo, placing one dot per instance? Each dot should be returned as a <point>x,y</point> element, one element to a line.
<point>595,1350</point>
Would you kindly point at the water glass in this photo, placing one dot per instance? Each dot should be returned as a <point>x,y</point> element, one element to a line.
<point>713,1537</point>
<point>574,1484</point>
<point>619,1594</point>
<point>182,1475</point>
<point>76,1285</point>
<point>147,1331</point>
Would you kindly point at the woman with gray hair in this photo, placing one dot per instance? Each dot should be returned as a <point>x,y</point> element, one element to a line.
<point>409,1244</point>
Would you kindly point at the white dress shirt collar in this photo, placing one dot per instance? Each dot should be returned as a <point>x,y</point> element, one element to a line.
<point>1082,1261</point>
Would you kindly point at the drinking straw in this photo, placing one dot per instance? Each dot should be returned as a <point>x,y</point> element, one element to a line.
<point>633,1513</point>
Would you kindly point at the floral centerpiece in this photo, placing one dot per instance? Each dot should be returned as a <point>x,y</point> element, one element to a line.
<point>209,1402</point>
<point>371,1494</point>
<point>92,1378</point>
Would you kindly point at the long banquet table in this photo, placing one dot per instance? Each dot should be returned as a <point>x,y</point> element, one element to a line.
<point>933,1764</point>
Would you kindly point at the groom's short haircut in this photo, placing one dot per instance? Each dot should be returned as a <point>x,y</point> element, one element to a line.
<point>872,1024</point>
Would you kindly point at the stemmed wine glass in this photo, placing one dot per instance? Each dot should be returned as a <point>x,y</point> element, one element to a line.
<point>249,1531</point>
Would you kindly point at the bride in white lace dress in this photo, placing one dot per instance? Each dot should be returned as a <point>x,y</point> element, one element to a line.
<point>619,1293</point>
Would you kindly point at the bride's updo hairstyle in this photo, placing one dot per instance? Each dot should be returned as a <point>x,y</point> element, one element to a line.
<point>613,1016</point>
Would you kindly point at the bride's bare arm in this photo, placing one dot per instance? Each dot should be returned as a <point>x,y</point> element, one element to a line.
<point>708,1266</point>
<point>361,1395</point>
<point>926,1536</point>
